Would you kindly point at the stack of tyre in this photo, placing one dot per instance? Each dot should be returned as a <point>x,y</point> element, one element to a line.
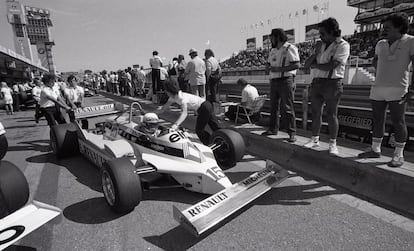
<point>14,189</point>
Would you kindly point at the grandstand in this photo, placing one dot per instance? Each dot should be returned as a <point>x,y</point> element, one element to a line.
<point>367,33</point>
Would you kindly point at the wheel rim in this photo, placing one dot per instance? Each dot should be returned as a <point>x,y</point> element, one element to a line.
<point>53,143</point>
<point>108,188</point>
<point>223,151</point>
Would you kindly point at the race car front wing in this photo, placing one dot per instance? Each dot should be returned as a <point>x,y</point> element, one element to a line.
<point>206,214</point>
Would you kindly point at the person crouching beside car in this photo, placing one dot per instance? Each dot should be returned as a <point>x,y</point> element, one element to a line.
<point>187,101</point>
<point>50,102</point>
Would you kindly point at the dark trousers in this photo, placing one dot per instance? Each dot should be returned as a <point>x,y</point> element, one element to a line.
<point>155,80</point>
<point>212,89</point>
<point>206,117</point>
<point>397,111</point>
<point>281,101</point>
<point>38,112</point>
<point>327,91</point>
<point>53,115</point>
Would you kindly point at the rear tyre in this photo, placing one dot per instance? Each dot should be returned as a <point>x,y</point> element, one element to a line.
<point>4,145</point>
<point>121,186</point>
<point>14,189</point>
<point>231,150</point>
<point>64,140</point>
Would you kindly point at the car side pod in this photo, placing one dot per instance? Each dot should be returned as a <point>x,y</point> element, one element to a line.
<point>206,214</point>
<point>25,220</point>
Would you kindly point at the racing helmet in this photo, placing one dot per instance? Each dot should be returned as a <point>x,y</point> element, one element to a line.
<point>150,118</point>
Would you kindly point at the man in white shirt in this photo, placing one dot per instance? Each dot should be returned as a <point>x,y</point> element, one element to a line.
<point>213,75</point>
<point>249,94</point>
<point>392,59</point>
<point>283,61</point>
<point>36,90</point>
<point>156,64</point>
<point>195,74</point>
<point>328,68</point>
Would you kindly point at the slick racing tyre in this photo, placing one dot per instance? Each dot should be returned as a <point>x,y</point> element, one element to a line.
<point>64,140</point>
<point>4,145</point>
<point>121,186</point>
<point>14,190</point>
<point>231,147</point>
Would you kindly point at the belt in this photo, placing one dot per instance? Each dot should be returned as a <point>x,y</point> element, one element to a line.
<point>283,78</point>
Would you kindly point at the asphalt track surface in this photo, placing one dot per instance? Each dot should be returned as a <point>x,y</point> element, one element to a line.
<point>299,214</point>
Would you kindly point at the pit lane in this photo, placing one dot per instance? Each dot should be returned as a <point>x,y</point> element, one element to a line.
<point>299,214</point>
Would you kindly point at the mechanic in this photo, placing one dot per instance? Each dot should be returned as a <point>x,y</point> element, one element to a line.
<point>187,101</point>
<point>50,102</point>
<point>149,124</point>
<point>74,96</point>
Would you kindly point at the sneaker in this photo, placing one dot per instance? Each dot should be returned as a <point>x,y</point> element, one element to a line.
<point>333,150</point>
<point>369,154</point>
<point>311,143</point>
<point>269,132</point>
<point>396,161</point>
<point>292,138</point>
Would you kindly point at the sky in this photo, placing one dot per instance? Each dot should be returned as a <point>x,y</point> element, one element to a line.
<point>112,35</point>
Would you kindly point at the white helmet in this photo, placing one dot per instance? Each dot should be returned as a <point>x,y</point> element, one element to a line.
<point>150,118</point>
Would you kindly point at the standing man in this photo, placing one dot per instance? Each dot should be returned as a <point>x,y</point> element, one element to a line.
<point>36,90</point>
<point>328,68</point>
<point>156,64</point>
<point>195,73</point>
<point>284,61</point>
<point>213,75</point>
<point>182,82</point>
<point>393,55</point>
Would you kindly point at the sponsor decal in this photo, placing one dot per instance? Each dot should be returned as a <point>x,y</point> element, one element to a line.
<point>92,110</point>
<point>91,154</point>
<point>356,122</point>
<point>211,202</point>
<point>257,176</point>
<point>13,232</point>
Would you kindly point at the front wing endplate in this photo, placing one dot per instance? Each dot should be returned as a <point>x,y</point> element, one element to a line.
<point>25,220</point>
<point>208,213</point>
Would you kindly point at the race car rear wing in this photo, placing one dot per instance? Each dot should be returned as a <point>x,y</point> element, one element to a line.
<point>206,214</point>
<point>98,110</point>
<point>25,220</point>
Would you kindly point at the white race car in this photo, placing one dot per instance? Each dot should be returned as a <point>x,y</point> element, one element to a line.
<point>125,153</point>
<point>16,218</point>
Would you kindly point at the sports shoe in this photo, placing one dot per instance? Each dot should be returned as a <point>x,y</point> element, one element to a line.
<point>269,132</point>
<point>369,154</point>
<point>311,143</point>
<point>333,150</point>
<point>292,138</point>
<point>396,161</point>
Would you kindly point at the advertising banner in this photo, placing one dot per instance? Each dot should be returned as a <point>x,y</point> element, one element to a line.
<point>290,35</point>
<point>267,43</point>
<point>251,44</point>
<point>312,32</point>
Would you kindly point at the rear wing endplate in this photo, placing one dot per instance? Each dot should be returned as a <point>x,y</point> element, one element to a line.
<point>98,110</point>
<point>25,220</point>
<point>208,213</point>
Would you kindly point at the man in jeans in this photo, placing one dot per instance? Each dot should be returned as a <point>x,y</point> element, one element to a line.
<point>393,55</point>
<point>284,61</point>
<point>328,68</point>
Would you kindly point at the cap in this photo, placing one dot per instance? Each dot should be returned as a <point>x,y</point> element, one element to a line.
<point>150,118</point>
<point>192,50</point>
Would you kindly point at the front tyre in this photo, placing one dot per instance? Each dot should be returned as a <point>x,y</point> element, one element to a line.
<point>229,147</point>
<point>4,145</point>
<point>121,185</point>
<point>14,189</point>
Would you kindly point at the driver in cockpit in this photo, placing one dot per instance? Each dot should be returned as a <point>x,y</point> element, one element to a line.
<point>149,124</point>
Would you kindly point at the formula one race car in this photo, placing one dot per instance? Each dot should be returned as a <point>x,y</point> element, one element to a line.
<point>126,153</point>
<point>16,219</point>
